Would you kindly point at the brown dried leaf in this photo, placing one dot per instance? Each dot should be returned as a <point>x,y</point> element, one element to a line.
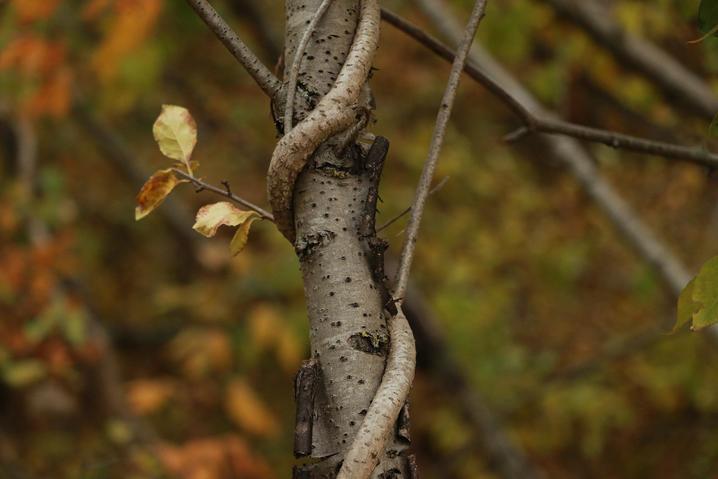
<point>154,191</point>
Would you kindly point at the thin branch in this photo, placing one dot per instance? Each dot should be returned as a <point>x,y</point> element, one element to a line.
<point>437,140</point>
<point>225,193</point>
<point>296,64</point>
<point>260,73</point>
<point>408,209</point>
<point>539,123</point>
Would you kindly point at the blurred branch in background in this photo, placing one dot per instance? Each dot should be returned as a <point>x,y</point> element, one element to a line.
<point>578,161</point>
<point>639,54</point>
<point>536,121</point>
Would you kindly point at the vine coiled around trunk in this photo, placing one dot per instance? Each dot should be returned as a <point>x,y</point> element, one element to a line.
<point>334,113</point>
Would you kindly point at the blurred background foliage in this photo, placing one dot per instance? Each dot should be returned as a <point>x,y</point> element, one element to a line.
<point>142,350</point>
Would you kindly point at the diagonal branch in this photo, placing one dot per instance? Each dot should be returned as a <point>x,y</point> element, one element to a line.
<point>260,73</point>
<point>534,122</point>
<point>442,120</point>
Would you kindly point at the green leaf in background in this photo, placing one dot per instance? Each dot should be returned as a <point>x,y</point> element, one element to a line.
<point>708,17</point>
<point>686,306</point>
<point>698,302</point>
<point>23,373</point>
<point>705,292</point>
<point>713,128</point>
<point>74,327</point>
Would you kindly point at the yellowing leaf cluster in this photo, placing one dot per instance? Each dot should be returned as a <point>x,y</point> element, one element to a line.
<point>175,132</point>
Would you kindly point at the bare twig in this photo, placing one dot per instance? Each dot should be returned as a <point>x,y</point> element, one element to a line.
<point>260,73</point>
<point>226,193</point>
<point>437,140</point>
<point>534,122</point>
<point>296,64</point>
<point>408,209</point>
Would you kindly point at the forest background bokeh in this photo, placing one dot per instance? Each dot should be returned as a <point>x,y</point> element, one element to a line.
<point>143,350</point>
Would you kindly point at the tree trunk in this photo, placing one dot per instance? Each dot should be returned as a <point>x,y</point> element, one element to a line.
<point>348,328</point>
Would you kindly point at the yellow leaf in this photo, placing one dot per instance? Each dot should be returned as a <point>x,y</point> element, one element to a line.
<point>248,411</point>
<point>176,134</point>
<point>210,217</point>
<point>202,352</point>
<point>705,293</point>
<point>213,458</point>
<point>686,306</point>
<point>154,191</point>
<point>239,240</point>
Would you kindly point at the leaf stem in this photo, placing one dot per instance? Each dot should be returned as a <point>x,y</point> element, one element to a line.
<point>226,193</point>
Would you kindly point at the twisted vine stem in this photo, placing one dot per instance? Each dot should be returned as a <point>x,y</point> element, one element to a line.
<point>296,64</point>
<point>335,112</point>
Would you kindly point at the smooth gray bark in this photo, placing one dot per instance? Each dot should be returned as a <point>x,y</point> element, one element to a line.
<point>348,329</point>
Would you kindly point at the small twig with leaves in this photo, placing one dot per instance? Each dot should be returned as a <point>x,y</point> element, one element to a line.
<point>176,134</point>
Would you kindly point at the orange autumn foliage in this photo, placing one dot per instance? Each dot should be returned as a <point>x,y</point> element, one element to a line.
<point>213,458</point>
<point>132,24</point>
